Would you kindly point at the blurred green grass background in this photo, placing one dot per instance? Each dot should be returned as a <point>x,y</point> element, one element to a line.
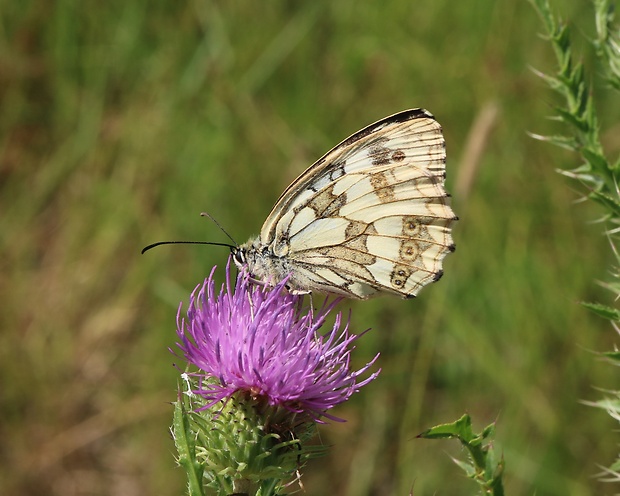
<point>121,121</point>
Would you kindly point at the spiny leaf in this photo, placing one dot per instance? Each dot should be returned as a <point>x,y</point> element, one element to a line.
<point>460,429</point>
<point>604,311</point>
<point>567,142</point>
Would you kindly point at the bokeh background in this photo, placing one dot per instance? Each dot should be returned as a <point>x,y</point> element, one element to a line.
<point>120,121</point>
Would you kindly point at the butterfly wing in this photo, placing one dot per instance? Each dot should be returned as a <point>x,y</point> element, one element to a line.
<point>371,215</point>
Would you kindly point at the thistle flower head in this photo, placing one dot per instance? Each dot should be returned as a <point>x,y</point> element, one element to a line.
<point>257,340</point>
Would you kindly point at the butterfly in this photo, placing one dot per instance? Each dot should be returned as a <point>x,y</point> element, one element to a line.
<point>370,217</point>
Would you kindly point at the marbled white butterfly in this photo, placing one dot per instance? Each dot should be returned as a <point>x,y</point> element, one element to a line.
<point>369,217</point>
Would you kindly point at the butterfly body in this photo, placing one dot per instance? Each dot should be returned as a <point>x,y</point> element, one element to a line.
<point>369,217</point>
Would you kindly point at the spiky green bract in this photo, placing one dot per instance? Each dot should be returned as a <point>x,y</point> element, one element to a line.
<point>245,447</point>
<point>484,466</point>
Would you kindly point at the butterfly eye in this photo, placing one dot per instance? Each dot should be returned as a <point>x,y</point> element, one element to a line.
<point>239,256</point>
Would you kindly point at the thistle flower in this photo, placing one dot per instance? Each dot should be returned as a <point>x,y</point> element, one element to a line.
<point>257,340</point>
<point>260,354</point>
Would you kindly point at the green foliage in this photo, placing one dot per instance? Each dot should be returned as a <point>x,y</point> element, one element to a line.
<point>484,467</point>
<point>578,112</point>
<point>604,311</point>
<point>598,173</point>
<point>607,42</point>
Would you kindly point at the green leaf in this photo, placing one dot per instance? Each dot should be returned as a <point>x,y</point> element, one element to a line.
<point>607,42</point>
<point>567,142</point>
<point>186,447</point>
<point>609,202</point>
<point>609,404</point>
<point>614,356</point>
<point>483,466</point>
<point>460,429</point>
<point>615,466</point>
<point>604,311</point>
<point>614,287</point>
<point>568,116</point>
<point>596,159</point>
<point>468,468</point>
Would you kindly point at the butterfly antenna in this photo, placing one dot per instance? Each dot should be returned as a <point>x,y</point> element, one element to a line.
<point>207,214</point>
<point>146,248</point>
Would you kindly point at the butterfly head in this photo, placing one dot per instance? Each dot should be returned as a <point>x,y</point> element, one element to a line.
<point>246,256</point>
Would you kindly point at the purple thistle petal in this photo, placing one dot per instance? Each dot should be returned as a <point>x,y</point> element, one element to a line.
<point>255,338</point>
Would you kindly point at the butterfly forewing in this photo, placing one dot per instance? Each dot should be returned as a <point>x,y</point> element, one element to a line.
<point>370,216</point>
